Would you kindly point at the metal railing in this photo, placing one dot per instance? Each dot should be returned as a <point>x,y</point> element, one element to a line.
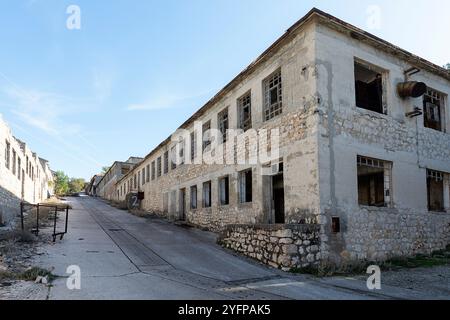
<point>24,207</point>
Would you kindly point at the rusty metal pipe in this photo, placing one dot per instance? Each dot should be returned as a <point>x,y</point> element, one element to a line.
<point>411,89</point>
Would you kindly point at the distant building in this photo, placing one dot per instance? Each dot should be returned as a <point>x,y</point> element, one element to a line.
<point>106,186</point>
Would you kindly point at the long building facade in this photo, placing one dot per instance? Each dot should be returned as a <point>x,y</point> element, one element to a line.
<point>23,175</point>
<point>105,185</point>
<point>337,127</point>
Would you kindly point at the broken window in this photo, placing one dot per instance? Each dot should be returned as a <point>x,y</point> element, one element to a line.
<point>7,155</point>
<point>166,162</point>
<point>135,181</point>
<point>245,111</point>
<point>273,97</point>
<point>207,194</point>
<point>222,120</point>
<point>158,167</point>
<point>153,170</point>
<point>148,173</point>
<point>435,191</point>
<point>433,103</point>
<point>224,191</point>
<point>245,186</point>
<point>194,197</point>
<point>206,131</point>
<point>369,88</point>
<point>193,146</point>
<point>374,182</point>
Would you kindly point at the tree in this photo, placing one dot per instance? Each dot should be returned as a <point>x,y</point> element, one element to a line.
<point>61,183</point>
<point>105,169</point>
<point>76,185</point>
<point>447,66</point>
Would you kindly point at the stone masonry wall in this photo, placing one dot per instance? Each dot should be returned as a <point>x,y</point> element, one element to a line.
<point>281,246</point>
<point>25,179</point>
<point>404,227</point>
<point>298,151</point>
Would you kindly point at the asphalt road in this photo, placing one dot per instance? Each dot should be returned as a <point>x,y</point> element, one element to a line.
<point>122,256</point>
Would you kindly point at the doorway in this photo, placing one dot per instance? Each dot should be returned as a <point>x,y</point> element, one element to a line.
<point>278,198</point>
<point>183,204</point>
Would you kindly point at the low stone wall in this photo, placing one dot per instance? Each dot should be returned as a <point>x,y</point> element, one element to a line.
<point>280,246</point>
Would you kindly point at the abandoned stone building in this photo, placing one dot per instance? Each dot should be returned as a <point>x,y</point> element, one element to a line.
<point>104,186</point>
<point>23,175</point>
<point>91,188</point>
<point>363,164</point>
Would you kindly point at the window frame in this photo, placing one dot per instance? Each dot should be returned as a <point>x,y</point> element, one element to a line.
<point>245,124</point>
<point>272,110</point>
<point>204,198</point>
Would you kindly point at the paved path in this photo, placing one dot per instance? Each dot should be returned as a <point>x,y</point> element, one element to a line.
<point>122,256</point>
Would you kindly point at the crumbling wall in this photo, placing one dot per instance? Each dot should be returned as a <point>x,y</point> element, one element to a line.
<point>281,246</point>
<point>406,227</point>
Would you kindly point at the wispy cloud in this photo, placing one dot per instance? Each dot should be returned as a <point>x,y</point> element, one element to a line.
<point>166,101</point>
<point>43,110</point>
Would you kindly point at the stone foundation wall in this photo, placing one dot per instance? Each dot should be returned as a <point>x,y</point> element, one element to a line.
<point>280,246</point>
<point>378,234</point>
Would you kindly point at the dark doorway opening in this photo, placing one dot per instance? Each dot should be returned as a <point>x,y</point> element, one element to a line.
<point>278,197</point>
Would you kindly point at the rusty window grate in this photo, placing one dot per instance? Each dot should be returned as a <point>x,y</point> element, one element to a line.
<point>273,96</point>
<point>435,175</point>
<point>245,111</point>
<point>222,120</point>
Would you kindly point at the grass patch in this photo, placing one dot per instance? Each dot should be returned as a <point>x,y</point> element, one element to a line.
<point>437,258</point>
<point>33,273</point>
<point>28,275</point>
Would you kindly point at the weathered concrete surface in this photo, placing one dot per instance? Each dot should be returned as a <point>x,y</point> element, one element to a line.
<point>125,257</point>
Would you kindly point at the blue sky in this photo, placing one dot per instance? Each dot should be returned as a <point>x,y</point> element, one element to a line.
<point>137,69</point>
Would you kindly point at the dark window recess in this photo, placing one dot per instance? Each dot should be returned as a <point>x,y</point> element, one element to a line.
<point>432,102</point>
<point>368,89</point>
<point>193,146</point>
<point>166,162</point>
<point>435,191</point>
<point>158,167</point>
<point>206,133</point>
<point>245,186</point>
<point>207,194</point>
<point>224,191</point>
<point>153,170</point>
<point>245,112</point>
<point>335,224</point>
<point>222,120</point>
<point>194,197</point>
<point>371,182</point>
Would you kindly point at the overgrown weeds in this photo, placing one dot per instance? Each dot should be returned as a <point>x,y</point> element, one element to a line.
<point>327,269</point>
